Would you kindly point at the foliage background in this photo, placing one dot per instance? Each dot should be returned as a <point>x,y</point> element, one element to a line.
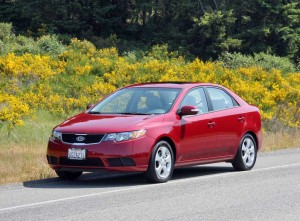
<point>201,28</point>
<point>44,74</point>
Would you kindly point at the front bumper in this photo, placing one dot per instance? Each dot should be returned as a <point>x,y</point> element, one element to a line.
<point>128,156</point>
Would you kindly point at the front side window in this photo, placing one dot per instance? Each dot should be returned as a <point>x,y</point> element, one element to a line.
<point>137,100</point>
<point>197,98</point>
<point>220,99</point>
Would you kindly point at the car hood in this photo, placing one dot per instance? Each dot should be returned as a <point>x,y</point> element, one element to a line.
<point>85,123</point>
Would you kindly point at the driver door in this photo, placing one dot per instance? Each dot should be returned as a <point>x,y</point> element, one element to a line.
<point>198,135</point>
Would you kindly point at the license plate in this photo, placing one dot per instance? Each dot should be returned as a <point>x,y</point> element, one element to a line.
<point>76,154</point>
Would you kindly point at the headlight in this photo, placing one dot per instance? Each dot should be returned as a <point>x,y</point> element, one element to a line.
<point>56,135</point>
<point>124,135</point>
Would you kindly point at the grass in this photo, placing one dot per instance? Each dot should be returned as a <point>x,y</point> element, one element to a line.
<point>23,153</point>
<point>281,140</point>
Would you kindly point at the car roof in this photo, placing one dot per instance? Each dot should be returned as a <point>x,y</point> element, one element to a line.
<point>172,84</point>
<point>186,86</point>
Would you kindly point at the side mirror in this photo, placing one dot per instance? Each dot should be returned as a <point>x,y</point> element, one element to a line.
<point>188,110</point>
<point>90,106</point>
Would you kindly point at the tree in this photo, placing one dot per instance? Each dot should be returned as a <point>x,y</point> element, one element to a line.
<point>211,34</point>
<point>268,26</point>
<point>204,28</point>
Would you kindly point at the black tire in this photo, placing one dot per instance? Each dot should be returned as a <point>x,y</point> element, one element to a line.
<point>161,163</point>
<point>68,175</point>
<point>246,155</point>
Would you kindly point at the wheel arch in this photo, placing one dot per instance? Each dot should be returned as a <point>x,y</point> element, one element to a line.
<point>172,144</point>
<point>254,136</point>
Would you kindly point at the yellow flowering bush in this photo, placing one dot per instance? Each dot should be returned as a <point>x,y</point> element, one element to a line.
<point>99,89</point>
<point>12,111</point>
<point>82,75</point>
<point>27,66</point>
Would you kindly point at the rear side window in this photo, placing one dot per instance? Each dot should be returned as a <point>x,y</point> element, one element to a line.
<point>220,99</point>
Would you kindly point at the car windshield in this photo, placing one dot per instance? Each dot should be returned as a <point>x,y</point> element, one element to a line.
<point>137,101</point>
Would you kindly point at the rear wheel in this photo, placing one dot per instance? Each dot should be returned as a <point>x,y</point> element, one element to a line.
<point>161,165</point>
<point>246,155</point>
<point>68,175</point>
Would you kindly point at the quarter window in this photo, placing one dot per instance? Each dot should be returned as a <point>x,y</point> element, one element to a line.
<point>220,99</point>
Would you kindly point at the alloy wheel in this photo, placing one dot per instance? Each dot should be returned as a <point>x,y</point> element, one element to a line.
<point>248,152</point>
<point>163,162</point>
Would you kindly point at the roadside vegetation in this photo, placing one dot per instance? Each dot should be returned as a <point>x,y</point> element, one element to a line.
<point>43,81</point>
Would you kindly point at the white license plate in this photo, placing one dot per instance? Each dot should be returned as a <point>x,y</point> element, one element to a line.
<point>76,154</point>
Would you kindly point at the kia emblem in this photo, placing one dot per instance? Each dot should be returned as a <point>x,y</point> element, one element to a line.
<point>80,138</point>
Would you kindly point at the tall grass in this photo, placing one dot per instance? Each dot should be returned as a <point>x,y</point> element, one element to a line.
<point>23,153</point>
<point>281,140</point>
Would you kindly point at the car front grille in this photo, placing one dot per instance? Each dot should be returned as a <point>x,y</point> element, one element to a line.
<point>82,138</point>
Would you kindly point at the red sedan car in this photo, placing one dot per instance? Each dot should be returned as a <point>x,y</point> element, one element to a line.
<point>156,127</point>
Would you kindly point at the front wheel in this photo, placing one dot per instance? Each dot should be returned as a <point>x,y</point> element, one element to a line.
<point>246,154</point>
<point>161,164</point>
<point>68,175</point>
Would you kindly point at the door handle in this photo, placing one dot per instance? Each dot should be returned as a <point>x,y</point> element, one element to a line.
<point>211,124</point>
<point>241,119</point>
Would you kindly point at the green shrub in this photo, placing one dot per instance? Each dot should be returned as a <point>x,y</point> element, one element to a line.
<point>50,45</point>
<point>266,61</point>
<point>83,47</point>
<point>6,31</point>
<point>6,34</point>
<point>45,45</point>
<point>161,52</point>
<point>21,45</point>
<point>18,45</point>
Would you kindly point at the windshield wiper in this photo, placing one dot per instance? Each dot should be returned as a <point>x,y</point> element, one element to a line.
<point>94,112</point>
<point>124,113</point>
<point>132,113</point>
